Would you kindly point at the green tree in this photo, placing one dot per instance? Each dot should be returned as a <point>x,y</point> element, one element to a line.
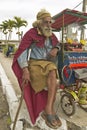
<point>18,24</point>
<point>11,25</point>
<point>4,27</point>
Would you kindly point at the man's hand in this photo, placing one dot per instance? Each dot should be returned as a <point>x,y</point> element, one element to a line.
<point>25,76</point>
<point>53,52</point>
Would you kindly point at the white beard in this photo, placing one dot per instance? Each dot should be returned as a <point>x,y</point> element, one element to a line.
<point>46,31</point>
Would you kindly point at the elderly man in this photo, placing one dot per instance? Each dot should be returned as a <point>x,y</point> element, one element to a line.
<point>39,71</point>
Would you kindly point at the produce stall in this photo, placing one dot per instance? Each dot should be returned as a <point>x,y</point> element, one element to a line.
<point>72,59</point>
<point>73,54</point>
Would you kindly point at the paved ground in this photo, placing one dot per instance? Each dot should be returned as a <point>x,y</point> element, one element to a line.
<point>6,63</point>
<point>5,120</point>
<point>4,112</point>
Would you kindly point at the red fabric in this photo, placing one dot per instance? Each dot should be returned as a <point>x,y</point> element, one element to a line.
<point>66,72</point>
<point>78,65</point>
<point>34,102</point>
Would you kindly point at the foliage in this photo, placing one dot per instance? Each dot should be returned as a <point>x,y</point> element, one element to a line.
<point>20,22</point>
<point>7,27</point>
<point>8,121</point>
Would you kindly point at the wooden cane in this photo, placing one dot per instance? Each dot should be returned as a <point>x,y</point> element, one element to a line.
<point>19,107</point>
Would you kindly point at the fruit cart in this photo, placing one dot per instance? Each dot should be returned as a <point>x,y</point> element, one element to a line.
<point>72,59</point>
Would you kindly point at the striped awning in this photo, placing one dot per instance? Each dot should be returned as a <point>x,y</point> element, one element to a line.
<point>67,17</point>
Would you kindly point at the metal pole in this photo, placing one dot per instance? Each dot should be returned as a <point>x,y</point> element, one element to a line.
<point>63,40</point>
<point>84,11</point>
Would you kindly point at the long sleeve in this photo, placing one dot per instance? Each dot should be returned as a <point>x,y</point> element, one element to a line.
<point>22,59</point>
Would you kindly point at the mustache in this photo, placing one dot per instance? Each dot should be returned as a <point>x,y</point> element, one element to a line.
<point>47,28</point>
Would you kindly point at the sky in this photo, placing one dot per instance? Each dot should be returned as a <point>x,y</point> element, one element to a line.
<point>27,9</point>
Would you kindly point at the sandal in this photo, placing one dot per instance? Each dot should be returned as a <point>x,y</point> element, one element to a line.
<point>50,120</point>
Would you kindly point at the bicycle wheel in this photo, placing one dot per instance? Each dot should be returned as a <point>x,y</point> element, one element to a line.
<point>67,104</point>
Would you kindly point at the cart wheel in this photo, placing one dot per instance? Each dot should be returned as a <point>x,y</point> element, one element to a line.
<point>84,107</point>
<point>68,104</point>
